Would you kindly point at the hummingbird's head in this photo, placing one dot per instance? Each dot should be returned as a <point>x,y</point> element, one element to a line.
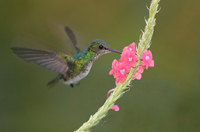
<point>100,47</point>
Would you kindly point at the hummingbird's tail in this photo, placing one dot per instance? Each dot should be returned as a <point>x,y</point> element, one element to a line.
<point>54,81</point>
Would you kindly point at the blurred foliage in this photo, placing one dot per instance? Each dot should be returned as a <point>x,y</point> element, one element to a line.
<point>165,100</point>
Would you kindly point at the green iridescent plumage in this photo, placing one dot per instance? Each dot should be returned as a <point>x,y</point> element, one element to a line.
<point>71,69</point>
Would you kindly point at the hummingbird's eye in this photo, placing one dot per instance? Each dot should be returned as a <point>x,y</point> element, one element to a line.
<point>100,46</point>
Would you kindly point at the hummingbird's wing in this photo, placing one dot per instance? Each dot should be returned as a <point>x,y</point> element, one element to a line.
<point>72,38</point>
<point>47,59</point>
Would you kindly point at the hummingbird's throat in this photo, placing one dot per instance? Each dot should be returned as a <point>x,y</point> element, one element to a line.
<point>101,53</point>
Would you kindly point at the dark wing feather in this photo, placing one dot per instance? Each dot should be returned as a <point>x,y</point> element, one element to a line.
<point>47,59</point>
<point>72,38</point>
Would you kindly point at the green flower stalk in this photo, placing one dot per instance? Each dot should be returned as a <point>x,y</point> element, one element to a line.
<point>121,88</point>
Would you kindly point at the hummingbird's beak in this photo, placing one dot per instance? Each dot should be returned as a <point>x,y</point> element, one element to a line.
<point>113,50</point>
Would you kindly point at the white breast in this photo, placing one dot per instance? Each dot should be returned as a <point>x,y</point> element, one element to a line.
<point>77,78</point>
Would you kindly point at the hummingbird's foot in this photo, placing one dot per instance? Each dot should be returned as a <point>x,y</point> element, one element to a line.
<point>72,85</point>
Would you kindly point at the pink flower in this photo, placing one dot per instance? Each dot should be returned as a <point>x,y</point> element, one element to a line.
<point>147,60</point>
<point>138,74</point>
<point>114,67</point>
<point>119,71</point>
<point>114,107</point>
<point>128,56</point>
<point>141,69</point>
<point>131,47</point>
<point>128,59</point>
<point>122,71</point>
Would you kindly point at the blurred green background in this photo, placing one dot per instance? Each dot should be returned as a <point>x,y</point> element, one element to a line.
<point>166,99</point>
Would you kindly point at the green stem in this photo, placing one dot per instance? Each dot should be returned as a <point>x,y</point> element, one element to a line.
<point>120,89</point>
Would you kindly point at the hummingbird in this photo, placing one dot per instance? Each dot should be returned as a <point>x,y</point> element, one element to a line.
<point>70,69</point>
